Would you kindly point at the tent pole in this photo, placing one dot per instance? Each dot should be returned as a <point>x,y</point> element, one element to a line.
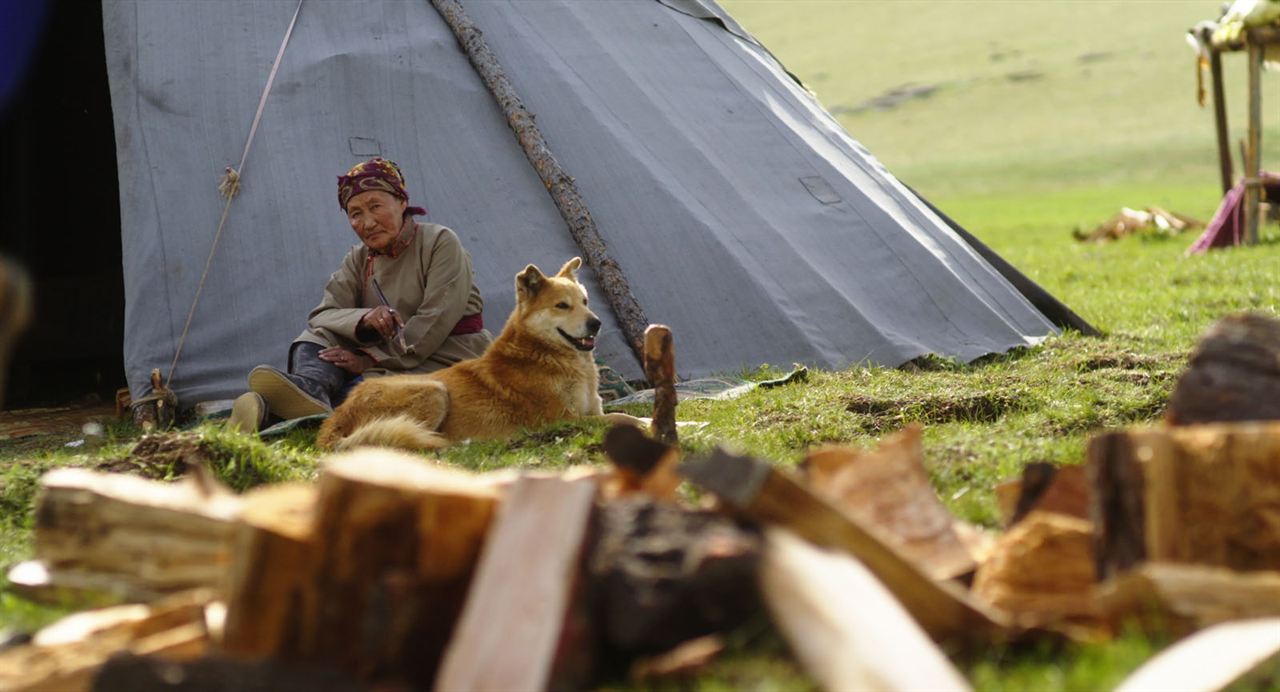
<point>573,209</point>
<point>1220,120</point>
<point>1253,152</point>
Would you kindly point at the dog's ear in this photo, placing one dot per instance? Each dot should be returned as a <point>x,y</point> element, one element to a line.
<point>529,282</point>
<point>570,267</point>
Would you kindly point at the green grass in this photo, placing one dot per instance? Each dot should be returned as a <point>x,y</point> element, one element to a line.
<point>1048,116</point>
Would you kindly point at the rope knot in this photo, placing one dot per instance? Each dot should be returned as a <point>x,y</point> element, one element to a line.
<point>229,186</point>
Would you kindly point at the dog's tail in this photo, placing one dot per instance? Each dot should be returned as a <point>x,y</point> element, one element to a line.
<point>401,432</point>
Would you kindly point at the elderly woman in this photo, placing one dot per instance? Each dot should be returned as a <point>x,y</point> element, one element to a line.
<point>430,319</point>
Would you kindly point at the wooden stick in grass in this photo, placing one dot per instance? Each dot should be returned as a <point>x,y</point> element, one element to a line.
<point>660,370</point>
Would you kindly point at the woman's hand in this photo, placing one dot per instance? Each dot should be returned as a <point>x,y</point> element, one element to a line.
<point>382,320</point>
<point>352,362</point>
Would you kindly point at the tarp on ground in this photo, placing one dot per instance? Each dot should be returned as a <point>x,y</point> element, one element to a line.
<point>743,215</point>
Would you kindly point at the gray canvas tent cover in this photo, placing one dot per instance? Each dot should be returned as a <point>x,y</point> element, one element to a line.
<point>741,212</point>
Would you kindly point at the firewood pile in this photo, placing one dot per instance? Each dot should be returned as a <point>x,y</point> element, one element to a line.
<point>394,572</point>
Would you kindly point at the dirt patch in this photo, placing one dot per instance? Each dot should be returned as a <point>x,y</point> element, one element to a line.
<point>1123,361</point>
<point>891,99</point>
<point>977,408</point>
<point>1096,56</point>
<point>162,456</point>
<point>1024,76</point>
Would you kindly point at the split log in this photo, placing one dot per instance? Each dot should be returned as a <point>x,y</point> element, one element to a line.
<point>660,370</point>
<point>67,655</point>
<point>766,494</point>
<point>1234,374</point>
<point>644,464</point>
<point>1201,494</point>
<point>1185,598</point>
<point>1042,570</point>
<point>1232,651</point>
<point>396,541</point>
<point>662,574</point>
<point>266,590</point>
<point>843,624</point>
<point>36,581</point>
<point>1045,487</point>
<point>524,626</point>
<point>146,536</point>
<point>685,660</point>
<point>888,491</point>
<point>130,673</point>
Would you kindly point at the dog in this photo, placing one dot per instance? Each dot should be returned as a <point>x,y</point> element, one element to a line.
<point>540,369</point>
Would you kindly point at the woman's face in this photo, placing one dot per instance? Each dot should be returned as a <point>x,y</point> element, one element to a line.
<point>376,217</point>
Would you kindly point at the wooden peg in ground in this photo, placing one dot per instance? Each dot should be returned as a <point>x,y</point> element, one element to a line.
<point>888,491</point>
<point>843,624</point>
<point>660,370</point>
<point>644,464</point>
<point>770,496</point>
<point>523,625</point>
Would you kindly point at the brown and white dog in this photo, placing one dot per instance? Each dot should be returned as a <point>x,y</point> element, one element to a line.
<point>539,369</point>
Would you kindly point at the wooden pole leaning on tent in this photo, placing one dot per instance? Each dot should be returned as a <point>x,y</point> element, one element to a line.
<point>573,209</point>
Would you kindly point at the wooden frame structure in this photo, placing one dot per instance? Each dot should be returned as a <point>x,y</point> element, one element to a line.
<point>1254,42</point>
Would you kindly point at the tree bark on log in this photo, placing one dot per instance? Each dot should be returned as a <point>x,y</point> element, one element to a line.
<point>396,541</point>
<point>524,625</point>
<point>1201,494</point>
<point>662,574</point>
<point>559,183</point>
<point>1234,374</point>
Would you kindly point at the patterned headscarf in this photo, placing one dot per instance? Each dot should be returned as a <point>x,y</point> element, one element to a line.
<point>375,174</point>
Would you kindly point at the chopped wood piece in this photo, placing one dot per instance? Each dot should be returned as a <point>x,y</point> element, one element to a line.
<point>685,660</point>
<point>1184,598</point>
<point>1042,570</point>
<point>1199,494</point>
<point>130,673</point>
<point>35,580</point>
<point>524,625</point>
<point>1209,660</point>
<point>662,574</point>
<point>660,370</point>
<point>770,496</point>
<point>149,536</point>
<point>644,464</point>
<point>396,540</point>
<point>266,585</point>
<point>888,491</point>
<point>980,542</point>
<point>843,624</point>
<point>1049,488</point>
<point>66,655</point>
<point>1234,374</point>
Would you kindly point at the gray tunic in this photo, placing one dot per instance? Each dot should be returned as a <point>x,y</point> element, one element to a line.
<point>429,281</point>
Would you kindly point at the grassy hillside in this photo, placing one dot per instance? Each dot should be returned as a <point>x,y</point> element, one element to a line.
<point>1024,95</point>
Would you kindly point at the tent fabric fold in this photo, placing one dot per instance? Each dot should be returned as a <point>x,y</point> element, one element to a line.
<point>741,212</point>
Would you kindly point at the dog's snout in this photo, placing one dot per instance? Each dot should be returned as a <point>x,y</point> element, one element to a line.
<point>593,326</point>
